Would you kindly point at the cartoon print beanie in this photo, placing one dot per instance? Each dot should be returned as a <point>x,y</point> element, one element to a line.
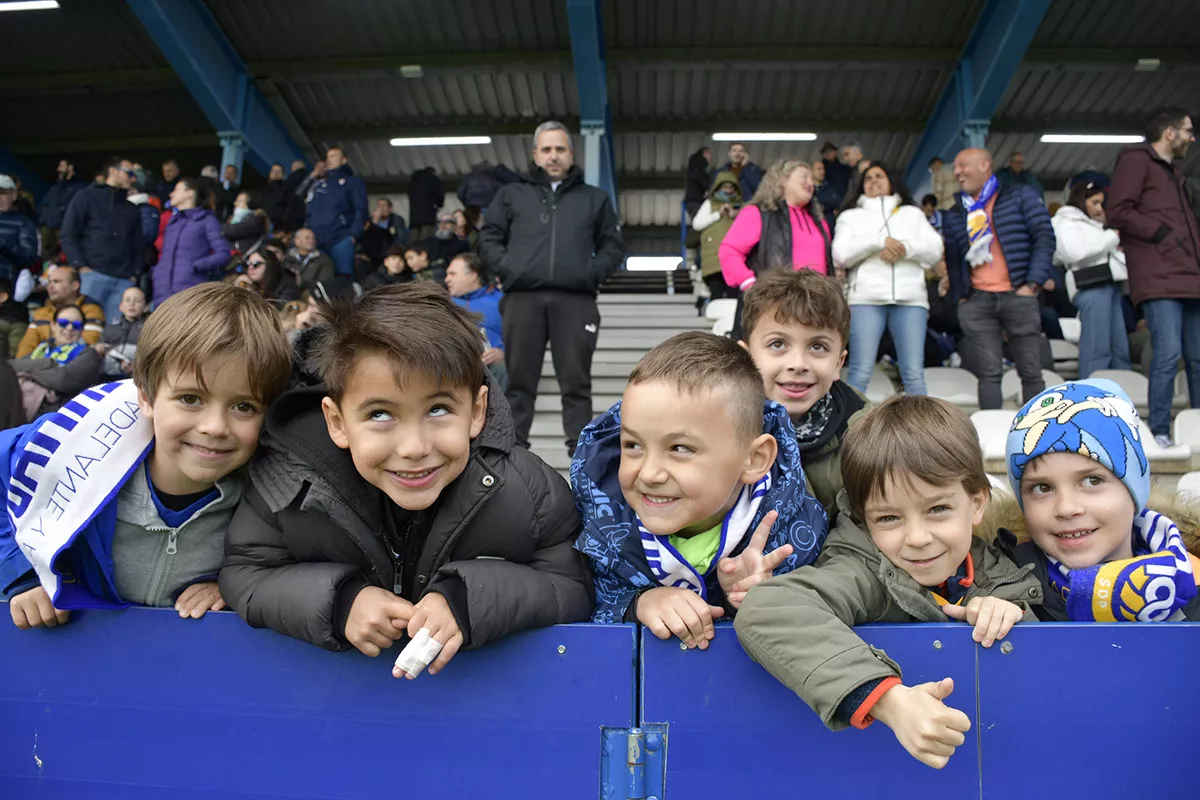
<point>1093,418</point>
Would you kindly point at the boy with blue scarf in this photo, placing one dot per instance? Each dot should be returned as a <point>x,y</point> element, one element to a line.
<point>1080,474</point>
<point>691,491</point>
<point>123,496</point>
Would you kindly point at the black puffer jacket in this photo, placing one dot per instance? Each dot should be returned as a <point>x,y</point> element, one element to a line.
<point>536,238</point>
<point>311,533</point>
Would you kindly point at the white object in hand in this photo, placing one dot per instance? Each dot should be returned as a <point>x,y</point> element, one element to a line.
<point>418,653</point>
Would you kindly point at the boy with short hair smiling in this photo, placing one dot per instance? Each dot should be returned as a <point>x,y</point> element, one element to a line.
<point>392,498</point>
<point>902,551</point>
<point>124,495</point>
<point>796,326</point>
<point>691,491</point>
<point>1081,477</point>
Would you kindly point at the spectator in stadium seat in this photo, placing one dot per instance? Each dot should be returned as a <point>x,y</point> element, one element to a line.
<point>307,263</point>
<point>14,321</point>
<point>1148,204</point>
<point>999,253</point>
<point>425,197</point>
<point>193,249</point>
<point>337,210</point>
<point>385,229</point>
<point>1078,447</point>
<point>273,197</point>
<point>394,269</point>
<point>226,193</point>
<point>706,518</point>
<point>852,157</point>
<point>53,207</point>
<point>1015,174</point>
<point>12,409</point>
<point>119,343</point>
<point>293,215</point>
<point>247,226</point>
<point>826,192</point>
<point>150,208</point>
<point>465,229</point>
<point>797,325</point>
<point>943,183</point>
<point>420,264</point>
<point>712,220</point>
<point>749,174</point>
<point>202,391</point>
<point>444,244</point>
<point>62,289</point>
<point>102,237</point>
<point>468,285</point>
<point>59,368</point>
<point>381,482</point>
<point>481,184</point>
<point>170,176</point>
<point>903,551</point>
<point>933,215</point>
<point>18,234</point>
<point>553,241</point>
<point>838,176</point>
<point>888,250</point>
<point>697,180</point>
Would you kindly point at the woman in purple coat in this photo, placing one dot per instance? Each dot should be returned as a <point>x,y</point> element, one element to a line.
<point>193,250</point>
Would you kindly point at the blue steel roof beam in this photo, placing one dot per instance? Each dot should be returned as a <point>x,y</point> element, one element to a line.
<point>591,77</point>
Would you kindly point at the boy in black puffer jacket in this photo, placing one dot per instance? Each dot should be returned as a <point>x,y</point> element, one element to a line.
<point>392,498</point>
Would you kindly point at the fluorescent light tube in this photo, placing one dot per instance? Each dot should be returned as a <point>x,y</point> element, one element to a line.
<point>433,141</point>
<point>29,5</point>
<point>764,137</point>
<point>1090,138</point>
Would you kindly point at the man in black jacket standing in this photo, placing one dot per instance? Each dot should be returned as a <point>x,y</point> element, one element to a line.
<point>552,240</point>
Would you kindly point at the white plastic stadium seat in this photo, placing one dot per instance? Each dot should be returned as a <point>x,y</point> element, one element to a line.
<point>1066,357</point>
<point>1187,428</point>
<point>723,327</point>
<point>992,427</point>
<point>720,309</point>
<point>1134,384</point>
<point>879,387</point>
<point>954,385</point>
<point>1072,328</point>
<point>1010,384</point>
<point>1189,485</point>
<point>1182,397</point>
<point>1178,452</point>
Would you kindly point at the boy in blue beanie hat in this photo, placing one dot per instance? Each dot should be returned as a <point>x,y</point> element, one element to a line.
<point>1080,474</point>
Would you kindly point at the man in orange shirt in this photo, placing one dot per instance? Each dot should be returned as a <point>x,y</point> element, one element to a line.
<point>999,252</point>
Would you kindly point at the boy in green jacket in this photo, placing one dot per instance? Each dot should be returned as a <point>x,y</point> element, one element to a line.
<point>902,551</point>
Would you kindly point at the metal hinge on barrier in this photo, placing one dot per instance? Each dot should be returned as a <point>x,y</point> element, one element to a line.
<point>633,763</point>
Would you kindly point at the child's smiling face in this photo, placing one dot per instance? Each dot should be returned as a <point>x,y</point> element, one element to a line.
<point>1077,511</point>
<point>799,363</point>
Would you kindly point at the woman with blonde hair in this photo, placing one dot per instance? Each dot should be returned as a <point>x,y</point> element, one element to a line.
<point>784,226</point>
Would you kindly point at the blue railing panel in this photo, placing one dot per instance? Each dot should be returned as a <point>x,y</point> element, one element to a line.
<point>142,704</point>
<point>734,731</point>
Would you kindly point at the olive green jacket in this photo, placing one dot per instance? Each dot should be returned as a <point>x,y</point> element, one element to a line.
<point>798,625</point>
<point>823,467</point>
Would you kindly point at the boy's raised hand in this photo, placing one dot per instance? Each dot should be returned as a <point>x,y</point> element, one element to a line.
<point>738,574</point>
<point>199,598</point>
<point>33,609</point>
<point>927,728</point>
<point>377,618</point>
<point>434,615</point>
<point>669,610</point>
<point>992,617</point>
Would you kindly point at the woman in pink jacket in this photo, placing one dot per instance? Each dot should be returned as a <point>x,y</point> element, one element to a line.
<point>784,226</point>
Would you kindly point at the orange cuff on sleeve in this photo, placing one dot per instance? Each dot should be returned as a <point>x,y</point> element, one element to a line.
<point>862,717</point>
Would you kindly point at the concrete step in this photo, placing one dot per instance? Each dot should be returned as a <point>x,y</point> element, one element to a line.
<point>606,299</point>
<point>547,424</point>
<point>652,319</point>
<point>632,340</point>
<point>600,386</point>
<point>553,402</point>
<point>600,369</point>
<point>610,355</point>
<point>555,455</point>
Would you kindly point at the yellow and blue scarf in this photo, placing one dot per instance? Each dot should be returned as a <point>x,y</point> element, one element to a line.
<point>1150,587</point>
<point>979,225</point>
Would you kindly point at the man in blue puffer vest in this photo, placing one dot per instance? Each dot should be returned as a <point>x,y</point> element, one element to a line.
<point>337,210</point>
<point>999,248</point>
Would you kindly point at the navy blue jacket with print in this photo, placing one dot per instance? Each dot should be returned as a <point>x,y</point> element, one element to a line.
<point>613,547</point>
<point>1022,226</point>
<point>337,207</point>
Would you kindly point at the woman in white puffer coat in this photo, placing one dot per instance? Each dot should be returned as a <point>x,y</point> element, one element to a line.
<point>1091,255</point>
<point>887,249</point>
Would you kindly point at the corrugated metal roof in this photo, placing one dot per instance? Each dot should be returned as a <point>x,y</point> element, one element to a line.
<point>82,35</point>
<point>1042,93</point>
<point>103,115</point>
<point>1119,23</point>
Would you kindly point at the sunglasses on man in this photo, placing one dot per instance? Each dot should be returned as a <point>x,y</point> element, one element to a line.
<point>63,322</point>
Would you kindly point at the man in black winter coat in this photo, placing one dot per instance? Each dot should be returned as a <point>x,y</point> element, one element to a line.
<point>552,240</point>
<point>294,211</point>
<point>699,180</point>
<point>378,507</point>
<point>425,197</point>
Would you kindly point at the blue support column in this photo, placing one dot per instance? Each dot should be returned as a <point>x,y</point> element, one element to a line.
<point>989,61</point>
<point>197,48</point>
<point>591,77</point>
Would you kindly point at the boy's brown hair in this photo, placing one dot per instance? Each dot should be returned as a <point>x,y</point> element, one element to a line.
<point>416,326</point>
<point>696,362</point>
<point>907,437</point>
<point>802,296</point>
<point>213,321</point>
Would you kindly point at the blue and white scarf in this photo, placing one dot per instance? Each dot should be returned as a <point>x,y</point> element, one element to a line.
<point>979,226</point>
<point>1150,587</point>
<point>672,569</point>
<point>73,465</point>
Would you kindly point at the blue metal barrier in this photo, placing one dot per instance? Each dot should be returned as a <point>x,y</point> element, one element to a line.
<point>141,704</point>
<point>732,730</point>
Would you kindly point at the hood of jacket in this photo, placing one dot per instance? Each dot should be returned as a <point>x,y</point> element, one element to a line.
<point>725,177</point>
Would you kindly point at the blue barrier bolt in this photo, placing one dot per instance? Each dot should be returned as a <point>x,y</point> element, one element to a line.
<point>937,644</point>
<point>562,648</point>
<point>1006,648</point>
<point>653,742</point>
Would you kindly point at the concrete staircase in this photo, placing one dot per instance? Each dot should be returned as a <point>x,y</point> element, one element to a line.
<point>630,324</point>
